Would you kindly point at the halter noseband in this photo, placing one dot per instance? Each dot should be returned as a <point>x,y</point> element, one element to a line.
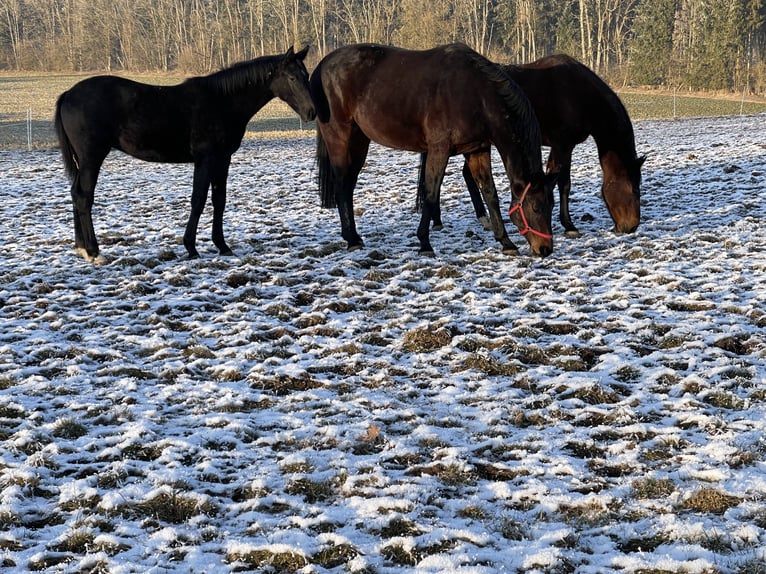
<point>519,207</point>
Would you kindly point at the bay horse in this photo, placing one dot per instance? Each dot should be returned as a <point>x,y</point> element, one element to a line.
<point>572,102</point>
<point>201,121</point>
<point>444,101</point>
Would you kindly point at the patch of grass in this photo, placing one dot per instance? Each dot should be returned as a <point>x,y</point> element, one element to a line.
<point>426,339</point>
<point>399,555</point>
<point>645,488</point>
<point>491,366</point>
<point>596,395</point>
<point>69,429</point>
<point>628,374</point>
<point>311,490</point>
<point>334,556</point>
<point>170,506</point>
<point>268,559</point>
<point>513,530</point>
<point>400,526</point>
<point>77,541</point>
<point>473,512</point>
<point>710,500</point>
<point>724,400</point>
<point>6,382</point>
<point>282,385</point>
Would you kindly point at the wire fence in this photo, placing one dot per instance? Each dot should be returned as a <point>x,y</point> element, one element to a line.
<point>27,131</point>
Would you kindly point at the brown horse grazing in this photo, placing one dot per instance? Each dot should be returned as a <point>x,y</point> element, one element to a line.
<point>200,121</point>
<point>571,103</point>
<point>444,101</point>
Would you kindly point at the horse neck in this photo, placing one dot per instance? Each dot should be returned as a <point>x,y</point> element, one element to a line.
<point>247,86</point>
<point>614,131</point>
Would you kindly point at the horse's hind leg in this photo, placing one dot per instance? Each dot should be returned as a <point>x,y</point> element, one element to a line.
<point>560,162</point>
<point>345,178</point>
<point>436,163</point>
<point>218,176</point>
<point>83,191</point>
<point>480,166</point>
<point>475,193</point>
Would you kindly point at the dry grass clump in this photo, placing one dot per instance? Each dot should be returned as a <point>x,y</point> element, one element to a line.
<point>645,488</point>
<point>426,339</point>
<point>710,500</point>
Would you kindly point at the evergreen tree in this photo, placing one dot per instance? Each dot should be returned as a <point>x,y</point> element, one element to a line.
<point>651,44</point>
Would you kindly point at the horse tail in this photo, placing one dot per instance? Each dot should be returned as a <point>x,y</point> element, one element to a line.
<point>324,173</point>
<point>67,151</point>
<point>324,169</point>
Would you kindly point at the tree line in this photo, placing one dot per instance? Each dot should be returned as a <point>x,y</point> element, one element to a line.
<point>695,44</point>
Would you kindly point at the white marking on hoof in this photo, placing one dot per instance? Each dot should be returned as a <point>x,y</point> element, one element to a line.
<point>572,234</point>
<point>97,260</point>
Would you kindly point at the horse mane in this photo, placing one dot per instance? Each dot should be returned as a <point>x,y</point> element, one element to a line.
<point>233,78</point>
<point>525,129</point>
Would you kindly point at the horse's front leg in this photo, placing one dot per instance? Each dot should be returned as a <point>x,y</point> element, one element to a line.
<point>219,173</point>
<point>199,198</point>
<point>560,162</point>
<point>436,163</point>
<point>480,166</point>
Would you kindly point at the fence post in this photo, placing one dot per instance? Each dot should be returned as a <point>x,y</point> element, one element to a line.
<point>29,129</point>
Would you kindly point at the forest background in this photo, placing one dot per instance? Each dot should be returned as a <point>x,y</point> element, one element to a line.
<point>717,45</point>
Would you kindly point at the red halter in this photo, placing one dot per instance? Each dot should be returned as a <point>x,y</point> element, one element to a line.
<point>518,207</point>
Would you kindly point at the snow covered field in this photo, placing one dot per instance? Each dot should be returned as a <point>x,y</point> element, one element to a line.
<point>302,408</point>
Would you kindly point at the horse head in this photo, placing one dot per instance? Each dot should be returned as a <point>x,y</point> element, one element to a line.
<point>290,83</point>
<point>531,211</point>
<point>621,190</point>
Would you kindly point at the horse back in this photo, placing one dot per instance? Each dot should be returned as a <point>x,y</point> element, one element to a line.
<point>146,121</point>
<point>403,98</point>
<point>571,101</point>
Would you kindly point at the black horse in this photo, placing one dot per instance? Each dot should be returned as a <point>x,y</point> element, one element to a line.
<point>200,121</point>
<point>444,101</point>
<point>572,102</point>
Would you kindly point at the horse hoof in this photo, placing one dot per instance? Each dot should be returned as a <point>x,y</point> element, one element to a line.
<point>510,251</point>
<point>355,247</point>
<point>573,233</point>
<point>193,256</point>
<point>96,259</point>
<point>438,227</point>
<point>427,252</point>
<point>227,253</point>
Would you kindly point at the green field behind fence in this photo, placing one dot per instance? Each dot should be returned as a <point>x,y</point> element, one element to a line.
<point>27,102</point>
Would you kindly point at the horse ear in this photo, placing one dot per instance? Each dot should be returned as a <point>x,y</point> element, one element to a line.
<point>640,161</point>
<point>289,54</point>
<point>302,54</point>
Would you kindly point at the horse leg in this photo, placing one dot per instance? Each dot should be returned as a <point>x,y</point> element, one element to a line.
<point>201,183</point>
<point>438,225</point>
<point>345,178</point>
<point>560,162</point>
<point>219,172</point>
<point>475,193</point>
<point>436,164</point>
<point>480,166</point>
<point>83,191</point>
